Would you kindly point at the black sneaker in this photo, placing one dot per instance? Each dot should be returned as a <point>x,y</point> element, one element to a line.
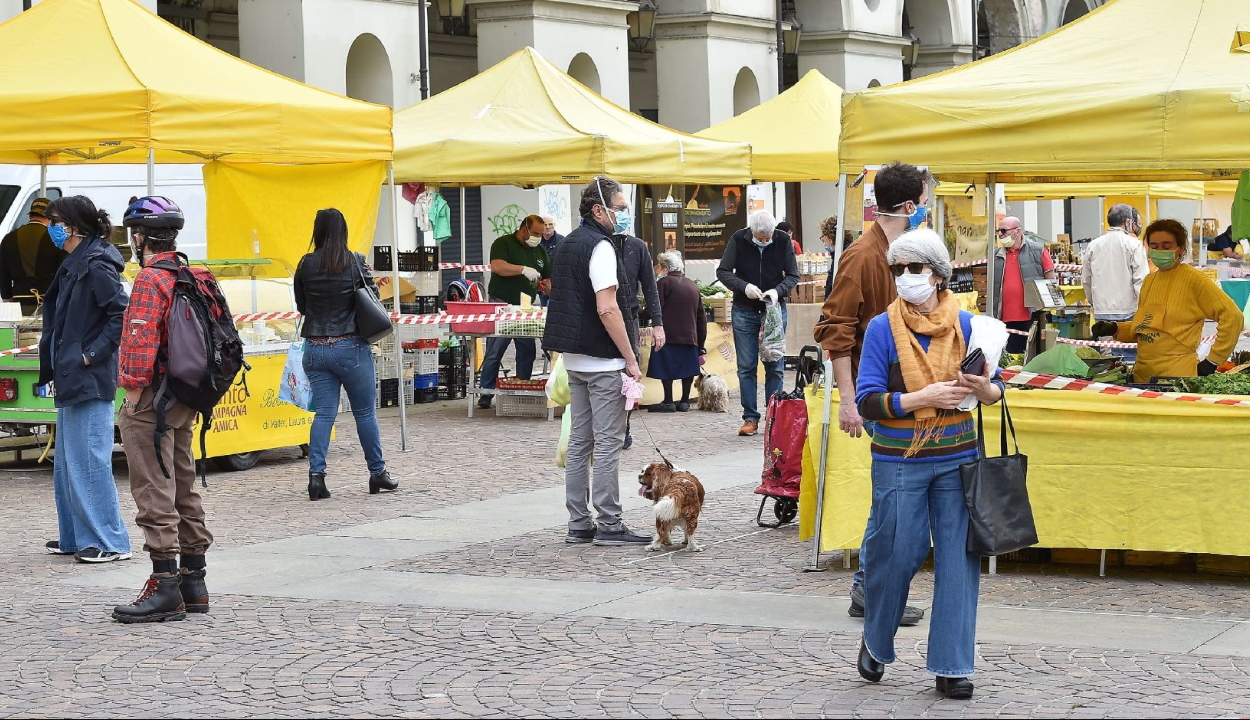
<point>53,547</point>
<point>620,536</point>
<point>96,555</point>
<point>580,537</point>
<point>483,402</point>
<point>911,615</point>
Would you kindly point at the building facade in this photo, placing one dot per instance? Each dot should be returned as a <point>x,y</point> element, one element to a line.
<point>700,62</point>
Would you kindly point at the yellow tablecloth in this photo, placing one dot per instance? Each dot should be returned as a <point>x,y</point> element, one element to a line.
<point>1105,472</point>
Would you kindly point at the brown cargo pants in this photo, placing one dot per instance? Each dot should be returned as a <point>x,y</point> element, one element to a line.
<point>170,512</point>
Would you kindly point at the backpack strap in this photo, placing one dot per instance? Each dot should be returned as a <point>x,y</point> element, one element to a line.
<point>160,404</point>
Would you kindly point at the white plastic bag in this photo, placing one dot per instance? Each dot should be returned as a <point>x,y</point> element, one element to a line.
<point>772,334</point>
<point>562,448</point>
<point>990,335</point>
<point>295,388</point>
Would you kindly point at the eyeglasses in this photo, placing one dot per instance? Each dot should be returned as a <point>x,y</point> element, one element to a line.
<point>915,268</point>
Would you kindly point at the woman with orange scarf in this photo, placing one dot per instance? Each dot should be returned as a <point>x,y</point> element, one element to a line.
<point>911,386</point>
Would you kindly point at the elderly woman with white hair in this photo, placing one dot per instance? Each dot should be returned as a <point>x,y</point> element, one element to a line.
<point>911,385</point>
<point>685,325</point>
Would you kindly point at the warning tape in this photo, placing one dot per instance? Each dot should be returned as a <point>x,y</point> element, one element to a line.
<point>435,319</point>
<point>1097,343</point>
<point>15,351</point>
<point>1057,382</point>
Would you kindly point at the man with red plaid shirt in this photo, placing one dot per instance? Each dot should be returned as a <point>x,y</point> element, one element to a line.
<point>169,508</point>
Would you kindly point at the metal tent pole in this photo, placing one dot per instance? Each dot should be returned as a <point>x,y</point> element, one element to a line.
<point>991,249</point>
<point>463,241</point>
<point>823,465</point>
<point>43,174</point>
<point>1199,246</point>
<point>151,171</point>
<point>399,345</point>
<point>841,209</point>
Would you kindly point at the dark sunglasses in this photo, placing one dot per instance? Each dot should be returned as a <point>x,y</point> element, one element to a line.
<point>1004,231</point>
<point>915,268</point>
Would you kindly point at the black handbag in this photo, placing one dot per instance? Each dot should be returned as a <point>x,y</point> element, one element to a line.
<point>373,322</point>
<point>1000,518</point>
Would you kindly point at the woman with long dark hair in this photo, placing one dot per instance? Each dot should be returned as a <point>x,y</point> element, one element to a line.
<point>82,327</point>
<point>335,355</point>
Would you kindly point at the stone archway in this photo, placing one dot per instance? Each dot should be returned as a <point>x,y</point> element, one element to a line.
<point>1073,10</point>
<point>746,91</point>
<point>369,71</point>
<point>583,69</point>
<point>930,21</point>
<point>1000,25</point>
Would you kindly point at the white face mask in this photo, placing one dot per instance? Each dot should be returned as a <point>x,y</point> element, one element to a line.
<point>534,240</point>
<point>914,289</point>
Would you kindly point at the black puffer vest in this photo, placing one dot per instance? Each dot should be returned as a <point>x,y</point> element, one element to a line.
<point>573,324</point>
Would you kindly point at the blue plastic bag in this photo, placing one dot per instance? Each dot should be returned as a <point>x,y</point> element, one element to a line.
<point>295,388</point>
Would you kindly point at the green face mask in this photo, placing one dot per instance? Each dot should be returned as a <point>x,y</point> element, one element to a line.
<point>1163,259</point>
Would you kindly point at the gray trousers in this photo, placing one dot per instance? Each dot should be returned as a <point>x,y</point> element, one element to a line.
<point>598,433</point>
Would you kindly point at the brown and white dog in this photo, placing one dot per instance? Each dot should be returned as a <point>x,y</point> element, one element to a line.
<point>678,498</point>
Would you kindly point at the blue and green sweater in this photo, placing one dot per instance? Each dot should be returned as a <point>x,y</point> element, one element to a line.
<point>879,395</point>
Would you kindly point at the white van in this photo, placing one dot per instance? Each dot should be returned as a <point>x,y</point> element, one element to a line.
<point>110,187</point>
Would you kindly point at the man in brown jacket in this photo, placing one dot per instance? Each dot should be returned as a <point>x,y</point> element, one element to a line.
<point>862,289</point>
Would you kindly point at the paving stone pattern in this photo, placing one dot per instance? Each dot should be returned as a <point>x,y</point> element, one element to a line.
<point>60,654</point>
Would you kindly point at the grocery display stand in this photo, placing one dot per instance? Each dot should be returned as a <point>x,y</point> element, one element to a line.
<point>474,391</point>
<point>513,329</point>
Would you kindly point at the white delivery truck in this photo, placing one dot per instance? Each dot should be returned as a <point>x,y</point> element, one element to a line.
<point>110,187</point>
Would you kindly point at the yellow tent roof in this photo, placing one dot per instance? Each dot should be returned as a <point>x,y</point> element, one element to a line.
<point>794,136</point>
<point>87,79</point>
<point>526,122</point>
<point>1137,89</point>
<point>1058,191</point>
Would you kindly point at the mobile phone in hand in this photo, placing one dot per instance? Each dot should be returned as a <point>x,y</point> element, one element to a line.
<point>974,364</point>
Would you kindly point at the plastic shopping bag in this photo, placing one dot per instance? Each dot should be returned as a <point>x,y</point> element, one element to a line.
<point>558,384</point>
<point>295,388</point>
<point>772,334</point>
<point>990,335</point>
<point>562,449</point>
<point>632,390</point>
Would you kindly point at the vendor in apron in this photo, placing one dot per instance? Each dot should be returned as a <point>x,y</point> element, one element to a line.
<point>1174,305</point>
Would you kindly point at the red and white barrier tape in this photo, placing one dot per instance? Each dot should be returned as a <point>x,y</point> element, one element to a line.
<point>1056,382</point>
<point>15,351</point>
<point>1097,343</point>
<point>435,319</point>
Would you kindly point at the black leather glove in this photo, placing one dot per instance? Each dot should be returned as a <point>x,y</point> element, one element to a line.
<point>1206,367</point>
<point>1103,328</point>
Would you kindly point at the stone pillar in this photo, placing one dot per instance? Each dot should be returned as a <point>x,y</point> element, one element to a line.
<point>936,59</point>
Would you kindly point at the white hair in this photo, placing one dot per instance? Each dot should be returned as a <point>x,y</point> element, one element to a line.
<point>671,261</point>
<point>923,246</point>
<point>762,222</point>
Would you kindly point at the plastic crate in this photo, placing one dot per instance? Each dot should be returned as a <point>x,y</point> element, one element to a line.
<point>428,260</point>
<point>428,282</point>
<point>518,384</point>
<point>426,362</point>
<point>382,257</point>
<point>388,393</point>
<point>426,381</point>
<point>486,327</point>
<point>451,356</point>
<point>427,395</point>
<point>528,327</point>
<point>521,405</point>
<point>453,392</point>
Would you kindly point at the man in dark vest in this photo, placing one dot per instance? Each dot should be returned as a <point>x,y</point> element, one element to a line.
<point>588,320</point>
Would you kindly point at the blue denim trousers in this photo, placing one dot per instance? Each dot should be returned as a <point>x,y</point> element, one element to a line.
<point>87,511</point>
<point>526,351</point>
<point>746,323</point>
<point>912,501</point>
<point>345,364</point>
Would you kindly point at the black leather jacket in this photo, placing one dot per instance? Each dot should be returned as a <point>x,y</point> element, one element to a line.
<point>327,301</point>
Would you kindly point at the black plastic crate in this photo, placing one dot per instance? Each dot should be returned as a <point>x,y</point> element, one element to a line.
<point>454,392</point>
<point>382,257</point>
<point>410,261</point>
<point>453,376</point>
<point>426,395</point>
<point>428,258</point>
<point>388,393</point>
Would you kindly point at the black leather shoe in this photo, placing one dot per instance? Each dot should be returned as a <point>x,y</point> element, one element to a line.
<point>954,688</point>
<point>869,668</point>
<point>159,601</point>
<point>380,482</point>
<point>317,489</point>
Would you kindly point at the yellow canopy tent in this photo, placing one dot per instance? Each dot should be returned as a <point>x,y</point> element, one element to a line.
<point>1137,89</point>
<point>526,122</point>
<point>794,136</point>
<point>94,79</point>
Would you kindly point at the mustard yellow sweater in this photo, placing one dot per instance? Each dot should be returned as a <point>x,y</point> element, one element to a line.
<point>1167,328</point>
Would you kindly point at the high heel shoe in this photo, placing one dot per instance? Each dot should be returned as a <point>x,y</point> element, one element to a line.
<point>954,688</point>
<point>317,486</point>
<point>869,668</point>
<point>382,481</point>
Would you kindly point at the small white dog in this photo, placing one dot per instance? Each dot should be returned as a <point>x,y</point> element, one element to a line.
<point>713,393</point>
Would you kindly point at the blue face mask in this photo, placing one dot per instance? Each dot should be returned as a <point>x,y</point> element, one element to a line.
<point>59,235</point>
<point>917,218</point>
<point>624,219</point>
<point>761,245</point>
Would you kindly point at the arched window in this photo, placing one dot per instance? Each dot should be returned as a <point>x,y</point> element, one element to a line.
<point>746,91</point>
<point>583,70</point>
<point>369,71</point>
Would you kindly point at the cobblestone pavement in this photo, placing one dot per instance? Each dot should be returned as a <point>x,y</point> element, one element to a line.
<point>283,657</point>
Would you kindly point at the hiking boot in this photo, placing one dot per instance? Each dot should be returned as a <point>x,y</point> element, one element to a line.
<point>194,590</point>
<point>96,555</point>
<point>620,536</point>
<point>382,481</point>
<point>317,489</point>
<point>749,428</point>
<point>53,547</point>
<point>580,537</point>
<point>159,601</point>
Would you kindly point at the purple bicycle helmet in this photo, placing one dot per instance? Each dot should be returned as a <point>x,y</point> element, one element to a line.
<point>153,211</point>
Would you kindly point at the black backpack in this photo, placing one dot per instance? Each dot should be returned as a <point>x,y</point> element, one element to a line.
<point>203,353</point>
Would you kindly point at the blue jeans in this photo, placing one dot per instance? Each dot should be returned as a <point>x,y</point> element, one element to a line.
<point>910,501</point>
<point>345,364</point>
<point>526,351</point>
<point>746,324</point>
<point>87,512</point>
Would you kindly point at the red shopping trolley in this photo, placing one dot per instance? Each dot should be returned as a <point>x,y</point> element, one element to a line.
<point>785,432</point>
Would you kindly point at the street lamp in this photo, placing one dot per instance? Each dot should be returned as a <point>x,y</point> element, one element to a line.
<point>642,25</point>
<point>790,37</point>
<point>452,15</point>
